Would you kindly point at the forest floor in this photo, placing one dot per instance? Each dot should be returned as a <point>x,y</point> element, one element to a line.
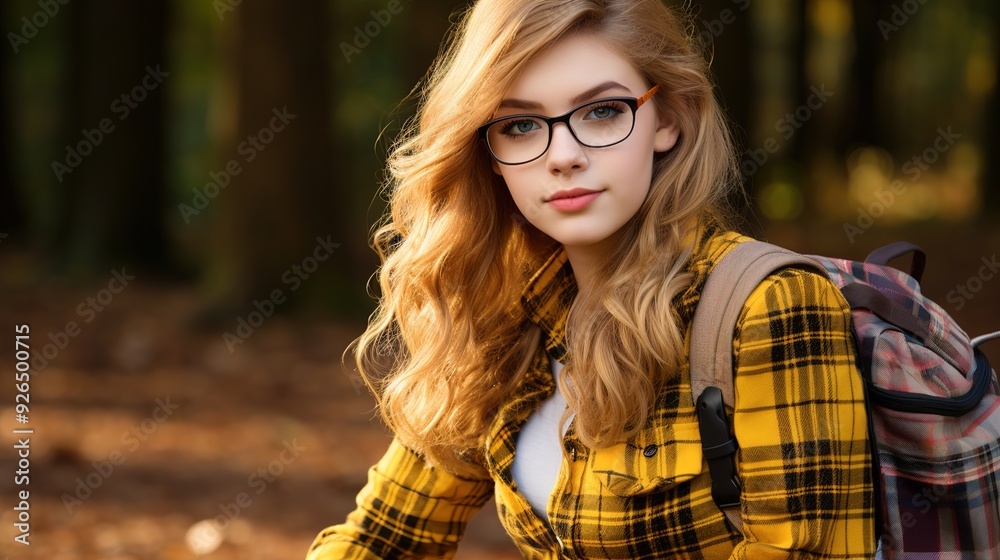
<point>152,440</point>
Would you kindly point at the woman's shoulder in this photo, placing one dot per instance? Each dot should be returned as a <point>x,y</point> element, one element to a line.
<point>791,308</point>
<point>789,283</point>
<point>796,288</point>
<point>789,291</point>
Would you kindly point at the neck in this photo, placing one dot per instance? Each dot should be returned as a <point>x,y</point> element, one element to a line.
<point>586,260</point>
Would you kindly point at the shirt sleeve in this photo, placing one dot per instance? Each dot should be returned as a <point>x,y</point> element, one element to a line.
<point>406,510</point>
<point>801,425</point>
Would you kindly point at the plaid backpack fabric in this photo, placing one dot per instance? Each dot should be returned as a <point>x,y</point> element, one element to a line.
<point>932,399</point>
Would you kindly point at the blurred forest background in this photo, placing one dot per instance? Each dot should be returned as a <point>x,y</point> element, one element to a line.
<point>186,195</point>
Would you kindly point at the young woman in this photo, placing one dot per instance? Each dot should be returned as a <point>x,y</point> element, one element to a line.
<point>554,212</point>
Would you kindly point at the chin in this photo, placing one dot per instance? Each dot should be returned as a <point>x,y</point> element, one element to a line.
<point>583,241</point>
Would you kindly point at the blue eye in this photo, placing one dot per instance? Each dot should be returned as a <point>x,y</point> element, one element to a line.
<point>605,111</point>
<point>519,127</point>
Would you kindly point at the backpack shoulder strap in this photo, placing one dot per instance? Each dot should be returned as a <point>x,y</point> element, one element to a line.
<point>730,282</point>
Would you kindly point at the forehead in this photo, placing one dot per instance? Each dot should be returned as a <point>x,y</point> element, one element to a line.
<point>571,66</point>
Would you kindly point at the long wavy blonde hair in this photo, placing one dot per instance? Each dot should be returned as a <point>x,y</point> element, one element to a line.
<point>449,341</point>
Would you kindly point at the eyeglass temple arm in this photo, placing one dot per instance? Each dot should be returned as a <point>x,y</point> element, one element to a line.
<point>645,98</point>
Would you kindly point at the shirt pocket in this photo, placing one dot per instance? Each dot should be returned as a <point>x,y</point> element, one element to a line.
<point>658,457</point>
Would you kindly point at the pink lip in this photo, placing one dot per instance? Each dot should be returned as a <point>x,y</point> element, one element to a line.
<point>573,199</point>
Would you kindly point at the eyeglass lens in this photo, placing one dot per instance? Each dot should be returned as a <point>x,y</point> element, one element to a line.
<point>524,138</point>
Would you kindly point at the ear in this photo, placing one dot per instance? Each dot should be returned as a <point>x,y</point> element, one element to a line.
<point>665,136</point>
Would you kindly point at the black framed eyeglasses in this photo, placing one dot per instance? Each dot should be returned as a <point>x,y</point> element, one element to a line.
<point>519,139</point>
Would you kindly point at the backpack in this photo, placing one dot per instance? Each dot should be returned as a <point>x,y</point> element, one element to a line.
<point>934,434</point>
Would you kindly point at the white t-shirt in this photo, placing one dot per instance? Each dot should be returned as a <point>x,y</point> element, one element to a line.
<point>538,450</point>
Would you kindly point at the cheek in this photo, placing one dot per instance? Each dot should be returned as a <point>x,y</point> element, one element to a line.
<point>633,171</point>
<point>514,189</point>
<point>518,188</point>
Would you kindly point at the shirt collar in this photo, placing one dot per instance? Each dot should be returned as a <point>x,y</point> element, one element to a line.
<point>547,299</point>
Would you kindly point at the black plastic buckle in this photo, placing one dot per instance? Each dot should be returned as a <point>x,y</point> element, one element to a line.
<point>719,448</point>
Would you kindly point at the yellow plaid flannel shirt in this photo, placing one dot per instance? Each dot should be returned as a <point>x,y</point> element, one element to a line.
<point>799,420</point>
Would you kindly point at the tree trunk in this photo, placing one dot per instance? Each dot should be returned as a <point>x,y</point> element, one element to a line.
<point>867,126</point>
<point>991,178</point>
<point>112,181</point>
<point>11,213</point>
<point>801,145</point>
<point>282,196</point>
<point>726,31</point>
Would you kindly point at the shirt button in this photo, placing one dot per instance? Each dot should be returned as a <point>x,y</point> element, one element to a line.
<point>650,450</point>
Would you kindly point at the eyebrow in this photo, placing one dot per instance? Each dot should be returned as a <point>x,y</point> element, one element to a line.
<point>590,93</point>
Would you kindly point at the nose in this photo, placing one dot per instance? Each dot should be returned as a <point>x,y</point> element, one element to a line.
<point>565,153</point>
